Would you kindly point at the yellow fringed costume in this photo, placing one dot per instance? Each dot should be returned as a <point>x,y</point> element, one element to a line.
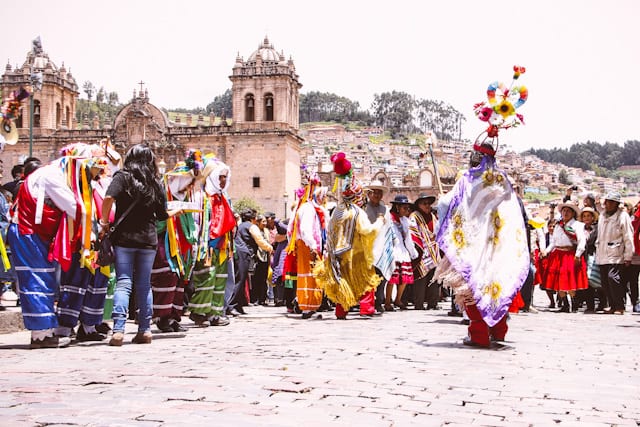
<point>347,271</point>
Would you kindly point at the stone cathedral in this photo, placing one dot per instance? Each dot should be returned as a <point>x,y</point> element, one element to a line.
<point>261,144</point>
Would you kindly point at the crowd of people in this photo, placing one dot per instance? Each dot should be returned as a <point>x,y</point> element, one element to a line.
<point>589,256</point>
<point>180,247</point>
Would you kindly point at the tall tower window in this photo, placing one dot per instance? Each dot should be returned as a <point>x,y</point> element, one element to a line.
<point>36,113</point>
<point>19,119</point>
<point>249,108</point>
<point>58,114</point>
<point>256,182</point>
<point>268,107</point>
<point>67,116</point>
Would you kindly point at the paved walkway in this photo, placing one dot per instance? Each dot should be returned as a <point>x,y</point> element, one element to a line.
<point>265,369</point>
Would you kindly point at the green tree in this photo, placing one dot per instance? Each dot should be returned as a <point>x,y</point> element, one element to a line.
<point>592,155</point>
<point>89,89</point>
<point>440,118</point>
<point>100,95</point>
<point>322,107</point>
<point>393,111</point>
<point>104,111</point>
<point>246,203</point>
<point>563,177</point>
<point>112,99</point>
<point>631,152</point>
<point>222,105</point>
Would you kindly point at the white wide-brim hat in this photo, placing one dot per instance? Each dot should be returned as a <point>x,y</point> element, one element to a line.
<point>377,185</point>
<point>572,206</point>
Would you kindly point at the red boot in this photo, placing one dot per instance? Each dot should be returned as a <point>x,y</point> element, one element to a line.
<point>368,303</point>
<point>340,312</point>
<point>478,329</point>
<point>499,330</point>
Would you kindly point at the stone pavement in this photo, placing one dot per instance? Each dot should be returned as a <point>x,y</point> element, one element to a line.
<point>266,369</point>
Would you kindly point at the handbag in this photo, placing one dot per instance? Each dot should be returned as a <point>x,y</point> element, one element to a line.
<point>106,253</point>
<point>593,273</point>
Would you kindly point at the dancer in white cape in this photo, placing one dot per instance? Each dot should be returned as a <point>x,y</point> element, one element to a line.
<point>483,235</point>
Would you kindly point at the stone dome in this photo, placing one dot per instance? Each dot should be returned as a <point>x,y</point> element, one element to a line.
<point>267,52</point>
<point>39,61</point>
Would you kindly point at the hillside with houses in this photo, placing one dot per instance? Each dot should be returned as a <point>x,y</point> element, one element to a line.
<point>405,166</point>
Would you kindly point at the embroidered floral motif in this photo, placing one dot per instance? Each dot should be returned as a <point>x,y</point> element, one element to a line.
<point>459,238</point>
<point>520,238</point>
<point>488,177</point>
<point>498,222</point>
<point>457,220</point>
<point>493,290</point>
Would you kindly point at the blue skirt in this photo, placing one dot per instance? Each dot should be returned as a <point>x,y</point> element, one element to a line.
<point>37,284</point>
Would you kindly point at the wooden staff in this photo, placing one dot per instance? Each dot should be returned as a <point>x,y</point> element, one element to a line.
<point>430,138</point>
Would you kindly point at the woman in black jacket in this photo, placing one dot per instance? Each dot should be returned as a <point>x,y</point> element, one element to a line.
<point>134,239</point>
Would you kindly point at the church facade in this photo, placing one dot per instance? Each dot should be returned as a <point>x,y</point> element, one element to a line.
<point>261,144</point>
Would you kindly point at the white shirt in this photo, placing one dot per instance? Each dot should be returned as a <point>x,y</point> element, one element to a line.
<point>559,238</point>
<point>50,181</point>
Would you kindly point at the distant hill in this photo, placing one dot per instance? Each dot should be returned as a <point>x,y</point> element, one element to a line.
<point>604,159</point>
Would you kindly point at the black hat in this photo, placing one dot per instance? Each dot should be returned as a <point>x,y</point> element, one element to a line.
<point>427,196</point>
<point>248,214</point>
<point>401,199</point>
<point>269,215</point>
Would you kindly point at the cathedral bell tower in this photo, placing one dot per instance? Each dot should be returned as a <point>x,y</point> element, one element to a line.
<point>262,144</point>
<point>265,90</point>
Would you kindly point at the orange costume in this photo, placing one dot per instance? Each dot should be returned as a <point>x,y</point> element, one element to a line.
<point>307,234</point>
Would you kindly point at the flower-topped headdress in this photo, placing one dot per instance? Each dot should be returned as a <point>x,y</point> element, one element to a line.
<point>341,166</point>
<point>193,161</point>
<point>499,110</point>
<point>191,165</point>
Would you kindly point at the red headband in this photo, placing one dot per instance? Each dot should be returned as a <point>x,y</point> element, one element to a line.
<point>484,149</point>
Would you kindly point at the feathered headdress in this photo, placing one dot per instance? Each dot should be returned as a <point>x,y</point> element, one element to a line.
<point>499,110</point>
<point>341,166</point>
<point>351,189</point>
<point>193,160</point>
<point>9,111</point>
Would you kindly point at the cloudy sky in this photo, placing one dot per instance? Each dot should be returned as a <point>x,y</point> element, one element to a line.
<point>582,56</point>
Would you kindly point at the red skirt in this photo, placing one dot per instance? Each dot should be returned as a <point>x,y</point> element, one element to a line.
<point>537,262</point>
<point>516,304</point>
<point>562,273</point>
<point>402,274</point>
<point>544,268</point>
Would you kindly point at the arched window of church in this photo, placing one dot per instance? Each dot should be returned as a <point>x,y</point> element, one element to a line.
<point>19,119</point>
<point>67,116</point>
<point>268,107</point>
<point>58,114</point>
<point>426,179</point>
<point>249,108</point>
<point>36,113</point>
